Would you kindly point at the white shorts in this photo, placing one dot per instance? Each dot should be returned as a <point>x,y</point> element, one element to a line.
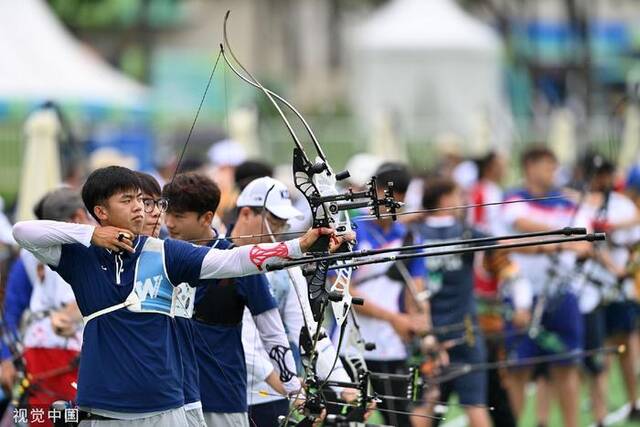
<point>226,419</point>
<point>195,417</point>
<point>172,418</point>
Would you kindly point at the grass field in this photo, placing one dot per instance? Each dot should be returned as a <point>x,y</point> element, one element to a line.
<point>616,401</point>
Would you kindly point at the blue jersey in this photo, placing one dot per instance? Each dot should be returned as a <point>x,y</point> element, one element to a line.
<point>370,235</point>
<point>218,337</point>
<point>130,361</point>
<point>16,301</point>
<point>191,379</point>
<point>450,277</point>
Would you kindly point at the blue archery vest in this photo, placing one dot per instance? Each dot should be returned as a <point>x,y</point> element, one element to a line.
<point>152,290</point>
<point>151,283</point>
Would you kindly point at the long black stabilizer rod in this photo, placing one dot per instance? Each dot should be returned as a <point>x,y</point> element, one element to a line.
<point>586,238</point>
<point>567,231</point>
<point>455,371</point>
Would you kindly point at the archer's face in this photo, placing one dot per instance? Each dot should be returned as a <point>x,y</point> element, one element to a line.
<point>451,200</point>
<point>124,210</point>
<point>542,172</point>
<point>255,223</point>
<point>153,219</point>
<point>189,225</point>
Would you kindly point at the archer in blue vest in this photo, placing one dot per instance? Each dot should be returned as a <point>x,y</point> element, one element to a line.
<point>131,369</point>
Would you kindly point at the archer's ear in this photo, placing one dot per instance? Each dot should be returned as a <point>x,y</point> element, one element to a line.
<point>101,212</point>
<point>207,218</point>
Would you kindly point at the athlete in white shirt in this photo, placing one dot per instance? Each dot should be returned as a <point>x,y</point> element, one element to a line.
<point>550,276</point>
<point>264,206</point>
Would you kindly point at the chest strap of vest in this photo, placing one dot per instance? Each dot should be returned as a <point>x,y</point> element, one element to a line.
<point>132,300</point>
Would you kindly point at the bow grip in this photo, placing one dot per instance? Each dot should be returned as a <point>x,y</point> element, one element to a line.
<point>321,245</point>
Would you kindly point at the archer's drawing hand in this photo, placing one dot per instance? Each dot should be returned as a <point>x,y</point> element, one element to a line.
<point>113,238</point>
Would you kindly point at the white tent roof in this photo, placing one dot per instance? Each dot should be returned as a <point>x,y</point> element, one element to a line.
<point>425,24</point>
<point>41,60</point>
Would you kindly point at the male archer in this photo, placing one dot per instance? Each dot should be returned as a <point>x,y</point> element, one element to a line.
<point>216,329</point>
<point>450,280</point>
<point>131,371</point>
<point>392,314</point>
<point>549,276</point>
<point>264,207</point>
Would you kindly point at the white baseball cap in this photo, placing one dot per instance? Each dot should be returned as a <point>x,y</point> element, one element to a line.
<point>278,199</point>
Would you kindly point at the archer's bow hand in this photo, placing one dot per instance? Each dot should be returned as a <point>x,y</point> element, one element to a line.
<point>405,325</point>
<point>351,395</point>
<point>62,324</point>
<point>335,240</point>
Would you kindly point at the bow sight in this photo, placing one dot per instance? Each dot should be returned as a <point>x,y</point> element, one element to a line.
<point>352,199</point>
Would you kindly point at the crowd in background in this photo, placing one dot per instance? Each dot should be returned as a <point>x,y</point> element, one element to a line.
<point>466,308</point>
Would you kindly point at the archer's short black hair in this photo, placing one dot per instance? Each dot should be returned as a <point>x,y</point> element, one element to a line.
<point>192,192</point>
<point>148,184</point>
<point>249,170</point>
<point>105,182</point>
<point>435,189</point>
<point>595,164</point>
<point>535,153</point>
<point>397,173</point>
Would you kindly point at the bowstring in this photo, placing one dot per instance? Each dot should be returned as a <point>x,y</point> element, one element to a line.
<point>177,170</point>
<point>192,128</point>
<point>291,132</point>
<point>263,222</point>
<point>366,218</point>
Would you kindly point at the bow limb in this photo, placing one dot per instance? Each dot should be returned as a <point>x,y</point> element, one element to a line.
<point>256,83</point>
<point>304,174</point>
<point>293,109</point>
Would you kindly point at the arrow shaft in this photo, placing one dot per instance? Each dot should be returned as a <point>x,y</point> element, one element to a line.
<point>588,237</point>
<point>368,252</point>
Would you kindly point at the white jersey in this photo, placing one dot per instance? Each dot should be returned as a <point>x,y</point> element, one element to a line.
<point>553,213</point>
<point>619,209</point>
<point>50,292</point>
<point>487,219</point>
<point>387,294</point>
<point>256,358</point>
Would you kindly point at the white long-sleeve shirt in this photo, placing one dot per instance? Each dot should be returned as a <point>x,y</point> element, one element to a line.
<point>44,239</point>
<point>258,362</point>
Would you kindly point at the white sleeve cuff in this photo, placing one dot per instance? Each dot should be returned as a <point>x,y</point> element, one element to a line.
<point>293,248</point>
